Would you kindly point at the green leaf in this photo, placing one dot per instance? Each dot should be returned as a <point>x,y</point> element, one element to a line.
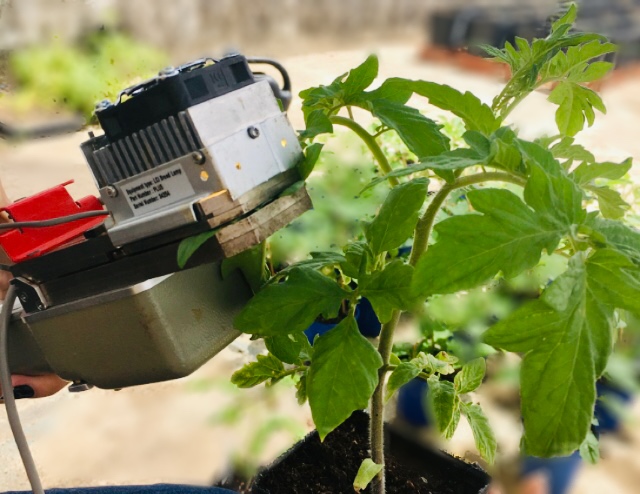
<point>311,156</point>
<point>318,261</point>
<point>618,236</point>
<point>471,376</point>
<point>482,433</point>
<point>589,171</point>
<point>361,77</point>
<point>446,162</point>
<point>575,106</point>
<point>574,64</point>
<point>403,373</point>
<point>612,205</point>
<point>442,363</point>
<point>556,198</point>
<point>590,449</point>
<point>541,61</point>
<point>291,348</point>
<point>505,156</point>
<point>536,155</point>
<point>265,368</point>
<point>251,263</point>
<point>291,306</point>
<point>614,279</point>
<point>342,377</point>
<point>397,217</point>
<point>322,99</point>
<point>292,189</point>
<point>566,149</point>
<point>566,340</point>
<point>593,72</point>
<point>568,18</point>
<point>471,249</point>
<point>421,134</point>
<point>393,89</point>
<point>366,473</point>
<point>301,389</point>
<point>445,406</point>
<point>359,260</point>
<point>478,142</point>
<point>473,112</point>
<point>389,290</point>
<point>190,245</point>
<point>317,122</point>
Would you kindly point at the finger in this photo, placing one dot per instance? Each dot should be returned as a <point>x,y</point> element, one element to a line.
<point>36,386</point>
<point>534,484</point>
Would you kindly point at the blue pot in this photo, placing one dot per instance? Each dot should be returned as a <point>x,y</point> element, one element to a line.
<point>368,323</point>
<point>608,421</point>
<point>366,318</point>
<point>318,329</point>
<point>411,403</point>
<point>560,471</point>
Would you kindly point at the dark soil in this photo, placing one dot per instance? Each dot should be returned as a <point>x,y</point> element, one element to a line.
<point>331,467</point>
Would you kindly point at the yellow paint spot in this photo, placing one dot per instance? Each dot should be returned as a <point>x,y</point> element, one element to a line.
<point>204,176</point>
<point>238,166</point>
<point>284,143</point>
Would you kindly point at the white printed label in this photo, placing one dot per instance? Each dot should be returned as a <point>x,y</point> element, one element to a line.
<point>157,190</point>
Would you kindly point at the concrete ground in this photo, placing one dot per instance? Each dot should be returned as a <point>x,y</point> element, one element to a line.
<point>165,432</point>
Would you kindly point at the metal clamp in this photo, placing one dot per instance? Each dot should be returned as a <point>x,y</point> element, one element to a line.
<point>30,297</point>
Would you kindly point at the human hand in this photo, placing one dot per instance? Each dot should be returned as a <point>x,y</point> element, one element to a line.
<point>36,386</point>
<point>30,386</point>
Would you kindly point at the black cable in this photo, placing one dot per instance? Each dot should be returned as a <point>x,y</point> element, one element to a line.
<point>9,400</point>
<point>53,221</point>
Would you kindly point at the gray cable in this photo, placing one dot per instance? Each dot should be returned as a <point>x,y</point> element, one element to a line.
<point>53,221</point>
<point>9,400</point>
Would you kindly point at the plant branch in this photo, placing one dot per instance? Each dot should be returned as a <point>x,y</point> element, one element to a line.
<point>420,242</point>
<point>370,142</point>
<point>426,222</point>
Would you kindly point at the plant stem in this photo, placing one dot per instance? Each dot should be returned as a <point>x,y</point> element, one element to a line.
<point>377,403</point>
<point>425,223</point>
<point>370,142</point>
<point>420,244</point>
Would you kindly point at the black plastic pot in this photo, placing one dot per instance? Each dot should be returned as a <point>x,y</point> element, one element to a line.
<point>312,466</point>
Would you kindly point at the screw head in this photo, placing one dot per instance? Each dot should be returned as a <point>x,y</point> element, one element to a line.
<point>111,191</point>
<point>24,297</point>
<point>168,72</point>
<point>103,105</point>
<point>254,132</point>
<point>198,158</point>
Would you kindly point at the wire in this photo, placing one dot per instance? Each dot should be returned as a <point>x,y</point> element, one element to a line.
<point>9,400</point>
<point>5,372</point>
<point>53,221</point>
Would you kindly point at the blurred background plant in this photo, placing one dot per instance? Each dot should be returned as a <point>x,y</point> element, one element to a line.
<point>75,76</point>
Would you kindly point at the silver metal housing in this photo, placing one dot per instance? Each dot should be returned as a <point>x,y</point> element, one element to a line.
<point>232,143</point>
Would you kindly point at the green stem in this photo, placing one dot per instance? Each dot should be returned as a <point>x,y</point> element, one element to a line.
<point>377,403</point>
<point>505,113</point>
<point>420,243</point>
<point>370,142</point>
<point>350,112</point>
<point>425,223</point>
<point>292,371</point>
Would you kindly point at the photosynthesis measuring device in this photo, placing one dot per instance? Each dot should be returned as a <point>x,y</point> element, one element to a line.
<point>205,150</point>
